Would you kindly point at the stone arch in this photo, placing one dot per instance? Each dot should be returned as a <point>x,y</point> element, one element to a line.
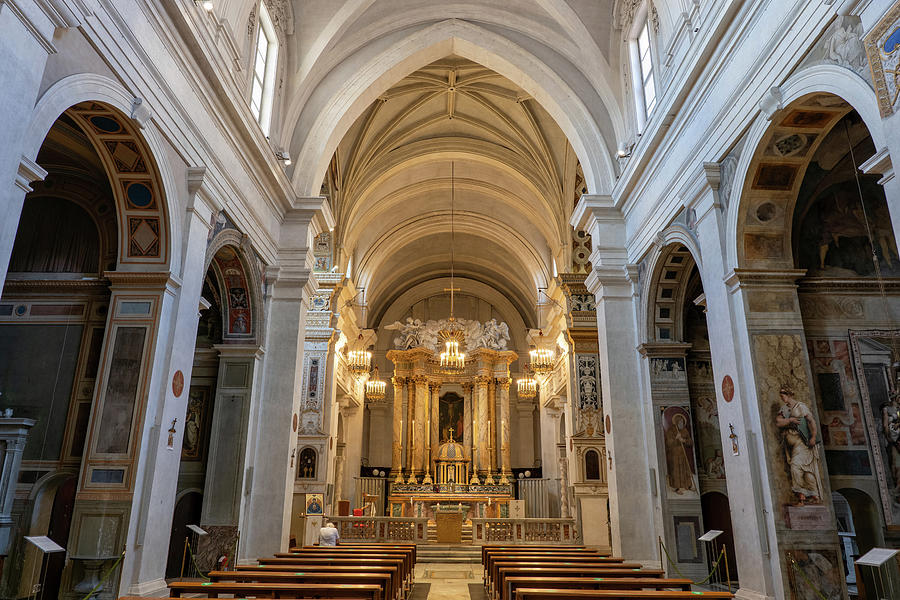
<point>240,285</point>
<point>452,36</point>
<point>116,123</point>
<point>807,89</point>
<point>673,263</point>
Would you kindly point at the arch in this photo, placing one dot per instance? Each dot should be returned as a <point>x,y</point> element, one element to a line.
<point>346,104</point>
<point>867,518</point>
<point>819,79</point>
<point>664,291</point>
<point>240,286</point>
<point>133,156</point>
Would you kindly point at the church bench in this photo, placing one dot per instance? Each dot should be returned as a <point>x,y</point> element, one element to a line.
<point>494,570</point>
<point>559,558</point>
<point>337,551</point>
<point>498,580</point>
<point>397,583</point>
<point>370,545</point>
<point>313,575</point>
<point>486,549</point>
<point>212,589</point>
<point>592,583</point>
<point>542,594</point>
<point>406,574</point>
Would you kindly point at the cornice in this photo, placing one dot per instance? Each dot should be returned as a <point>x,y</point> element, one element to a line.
<point>763,278</point>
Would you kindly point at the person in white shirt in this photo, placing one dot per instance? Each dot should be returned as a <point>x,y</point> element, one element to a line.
<point>328,535</point>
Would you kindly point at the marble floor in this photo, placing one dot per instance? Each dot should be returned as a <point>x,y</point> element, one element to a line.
<point>448,581</point>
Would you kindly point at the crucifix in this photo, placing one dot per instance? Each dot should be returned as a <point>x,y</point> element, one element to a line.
<point>450,433</point>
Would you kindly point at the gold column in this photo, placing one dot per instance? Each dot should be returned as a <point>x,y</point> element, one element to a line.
<point>419,456</point>
<point>435,418</point>
<point>467,419</point>
<point>480,420</point>
<point>503,389</point>
<point>410,421</point>
<point>396,451</point>
<point>492,407</point>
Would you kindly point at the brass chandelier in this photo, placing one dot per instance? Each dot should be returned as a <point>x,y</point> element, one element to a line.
<point>452,361</point>
<point>358,360</point>
<point>542,356</point>
<point>375,387</point>
<point>526,387</point>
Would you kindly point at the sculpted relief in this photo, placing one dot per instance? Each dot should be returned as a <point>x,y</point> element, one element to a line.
<point>415,333</point>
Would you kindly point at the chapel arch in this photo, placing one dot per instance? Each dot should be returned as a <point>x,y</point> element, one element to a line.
<point>80,309</point>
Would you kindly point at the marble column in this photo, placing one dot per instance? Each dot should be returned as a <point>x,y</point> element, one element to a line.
<point>410,395</point>
<point>612,283</point>
<point>352,456</point>
<point>291,284</point>
<point>481,419</point>
<point>467,419</point>
<point>419,449</point>
<point>339,474</point>
<point>503,399</point>
<point>397,425</point>
<point>26,40</point>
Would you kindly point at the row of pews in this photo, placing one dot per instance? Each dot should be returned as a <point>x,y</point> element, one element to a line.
<point>557,572</point>
<point>346,572</point>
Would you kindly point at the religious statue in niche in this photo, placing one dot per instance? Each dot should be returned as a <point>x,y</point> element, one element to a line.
<point>799,435</point>
<point>451,413</point>
<point>679,444</point>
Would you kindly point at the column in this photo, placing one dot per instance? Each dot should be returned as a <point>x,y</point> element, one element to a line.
<point>225,464</point>
<point>492,422</point>
<point>611,282</point>
<point>410,422</point>
<point>26,40</point>
<point>467,419</point>
<point>421,422</point>
<point>352,454</point>
<point>481,424</point>
<point>435,412</point>
<point>291,284</point>
<point>503,398</point>
<point>338,475</point>
<point>397,424</point>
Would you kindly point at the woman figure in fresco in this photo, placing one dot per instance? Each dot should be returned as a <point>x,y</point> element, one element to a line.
<point>890,421</point>
<point>799,434</point>
<point>678,444</point>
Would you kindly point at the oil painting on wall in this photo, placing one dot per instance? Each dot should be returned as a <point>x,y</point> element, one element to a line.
<point>681,467</point>
<point>875,355</point>
<point>451,413</point>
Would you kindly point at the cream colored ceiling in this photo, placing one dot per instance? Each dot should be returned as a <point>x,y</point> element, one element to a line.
<point>390,185</point>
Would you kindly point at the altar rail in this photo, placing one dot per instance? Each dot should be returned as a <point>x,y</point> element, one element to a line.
<point>524,531</point>
<point>382,529</point>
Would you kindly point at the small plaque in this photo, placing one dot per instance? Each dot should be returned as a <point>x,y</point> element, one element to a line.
<point>178,383</point>
<point>196,529</point>
<point>710,535</point>
<point>808,517</point>
<point>876,557</point>
<point>47,546</point>
<point>728,388</point>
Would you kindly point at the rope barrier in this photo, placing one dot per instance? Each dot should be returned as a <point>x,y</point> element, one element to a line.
<point>715,566</point>
<point>806,578</point>
<point>103,580</point>
<point>194,562</point>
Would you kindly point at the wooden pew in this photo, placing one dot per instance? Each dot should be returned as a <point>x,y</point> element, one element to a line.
<point>406,554</point>
<point>368,545</point>
<point>542,594</point>
<point>362,562</point>
<point>277,590</point>
<point>559,558</point>
<point>405,562</point>
<point>550,562</point>
<point>548,548</point>
<point>327,565</point>
<point>592,583</point>
<point>324,575</point>
<point>498,583</point>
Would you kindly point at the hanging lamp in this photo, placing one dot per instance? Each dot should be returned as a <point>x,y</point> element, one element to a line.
<point>452,361</point>
<point>526,387</point>
<point>375,387</point>
<point>542,356</point>
<point>358,360</point>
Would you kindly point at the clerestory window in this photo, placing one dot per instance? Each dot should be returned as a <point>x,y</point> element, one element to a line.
<point>262,93</point>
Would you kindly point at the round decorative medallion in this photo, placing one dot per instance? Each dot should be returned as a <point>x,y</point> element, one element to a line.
<point>178,383</point>
<point>728,388</point>
<point>295,422</point>
<point>608,424</point>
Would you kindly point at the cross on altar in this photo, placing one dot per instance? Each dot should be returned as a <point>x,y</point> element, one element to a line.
<point>450,433</point>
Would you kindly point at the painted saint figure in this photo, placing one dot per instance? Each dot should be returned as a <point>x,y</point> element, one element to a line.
<point>890,421</point>
<point>799,434</point>
<point>678,444</point>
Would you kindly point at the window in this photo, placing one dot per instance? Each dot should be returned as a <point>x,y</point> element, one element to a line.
<point>262,92</point>
<point>645,61</point>
<point>591,465</point>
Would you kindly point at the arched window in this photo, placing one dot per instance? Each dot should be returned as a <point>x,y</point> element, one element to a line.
<point>265,58</point>
<point>592,465</point>
<point>643,73</point>
<point>306,469</point>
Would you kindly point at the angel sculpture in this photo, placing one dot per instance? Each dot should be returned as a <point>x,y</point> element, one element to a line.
<point>410,333</point>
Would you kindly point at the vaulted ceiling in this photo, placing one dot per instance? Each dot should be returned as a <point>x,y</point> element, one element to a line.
<point>453,127</point>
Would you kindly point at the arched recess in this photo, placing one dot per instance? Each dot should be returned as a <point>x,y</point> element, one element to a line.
<point>315,137</point>
<point>239,283</point>
<point>803,89</point>
<point>133,157</point>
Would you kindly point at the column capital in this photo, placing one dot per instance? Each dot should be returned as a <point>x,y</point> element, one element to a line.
<point>504,382</point>
<point>239,350</point>
<point>419,380</point>
<point>199,185</point>
<point>613,282</point>
<point>467,386</point>
<point>781,278</point>
<point>315,210</point>
<point>29,172</point>
<point>398,381</point>
<point>482,380</point>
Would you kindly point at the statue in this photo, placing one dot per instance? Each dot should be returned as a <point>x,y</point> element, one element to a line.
<point>415,333</point>
<point>410,335</point>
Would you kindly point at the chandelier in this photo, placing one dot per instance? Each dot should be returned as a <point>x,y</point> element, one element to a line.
<point>526,387</point>
<point>452,361</point>
<point>358,361</point>
<point>375,387</point>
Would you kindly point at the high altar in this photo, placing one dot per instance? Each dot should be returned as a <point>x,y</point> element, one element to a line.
<point>434,471</point>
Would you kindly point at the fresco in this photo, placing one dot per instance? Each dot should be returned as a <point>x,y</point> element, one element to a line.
<point>681,467</point>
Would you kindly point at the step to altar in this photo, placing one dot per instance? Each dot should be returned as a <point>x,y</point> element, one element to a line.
<point>448,554</point>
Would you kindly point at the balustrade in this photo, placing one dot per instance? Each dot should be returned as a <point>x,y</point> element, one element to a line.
<point>382,529</point>
<point>524,531</point>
